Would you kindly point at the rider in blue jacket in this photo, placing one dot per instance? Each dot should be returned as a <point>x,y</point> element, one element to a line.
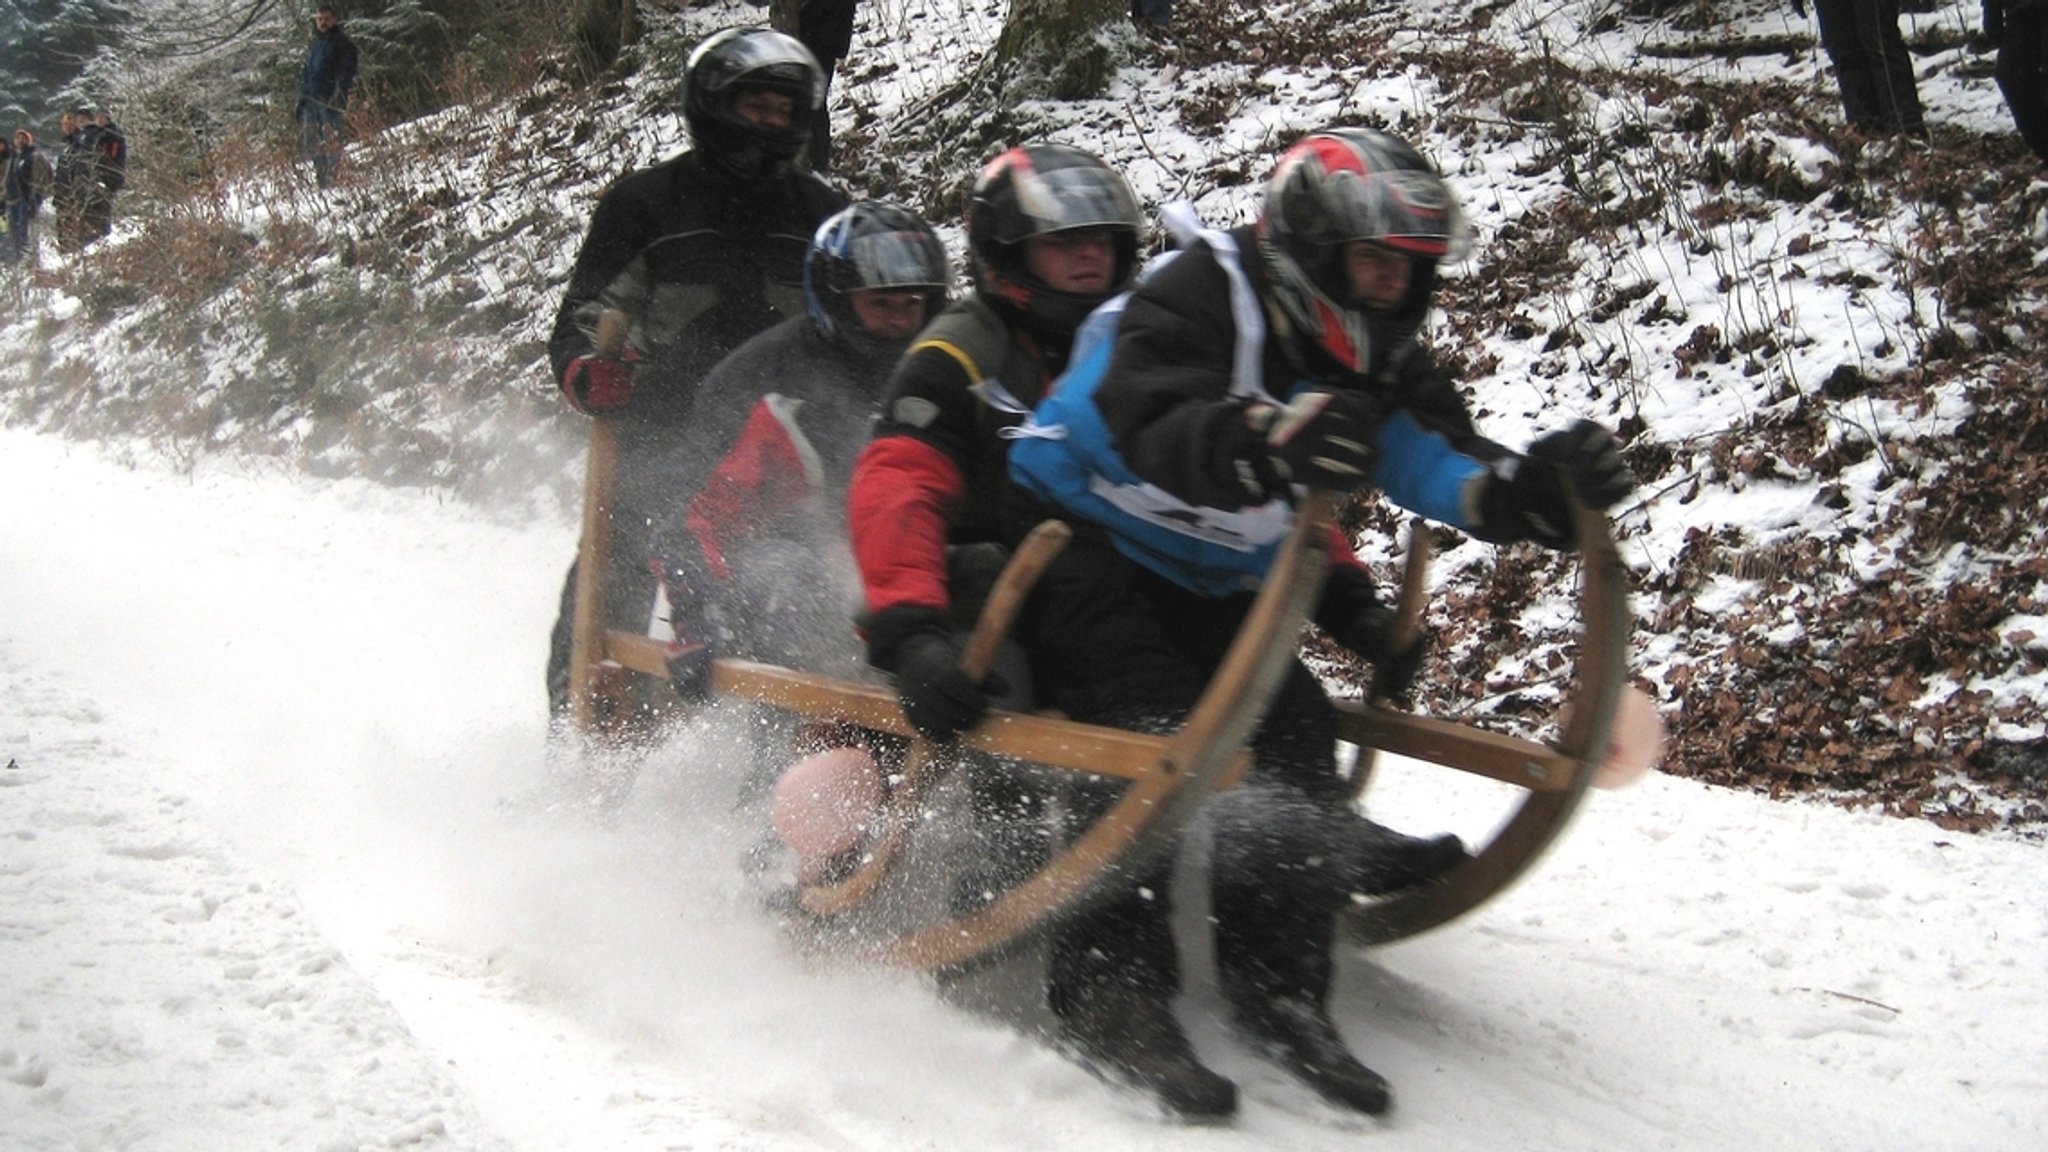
<point>1251,365</point>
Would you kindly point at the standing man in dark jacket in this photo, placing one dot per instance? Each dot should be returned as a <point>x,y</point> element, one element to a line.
<point>325,81</point>
<point>826,28</point>
<point>701,252</point>
<point>110,155</point>
<point>30,179</point>
<point>7,253</point>
<point>77,202</point>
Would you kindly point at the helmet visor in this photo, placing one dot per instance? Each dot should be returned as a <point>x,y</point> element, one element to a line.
<point>1066,199</point>
<point>757,56</point>
<point>897,260</point>
<point>1412,211</point>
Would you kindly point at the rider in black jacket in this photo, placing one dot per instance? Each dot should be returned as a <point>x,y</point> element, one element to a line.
<point>701,252</point>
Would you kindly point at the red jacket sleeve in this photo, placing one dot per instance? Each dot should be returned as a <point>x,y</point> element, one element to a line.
<point>1342,554</point>
<point>904,493</point>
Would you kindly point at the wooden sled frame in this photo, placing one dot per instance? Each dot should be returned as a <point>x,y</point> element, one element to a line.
<point>1169,777</point>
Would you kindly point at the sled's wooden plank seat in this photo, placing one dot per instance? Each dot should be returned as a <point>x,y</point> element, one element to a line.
<point>1046,740</point>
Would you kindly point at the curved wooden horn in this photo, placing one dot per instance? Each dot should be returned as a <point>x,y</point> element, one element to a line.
<point>1129,838</point>
<point>925,764</point>
<point>1556,776</point>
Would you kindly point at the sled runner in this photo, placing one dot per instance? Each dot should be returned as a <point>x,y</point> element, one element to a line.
<point>1166,779</point>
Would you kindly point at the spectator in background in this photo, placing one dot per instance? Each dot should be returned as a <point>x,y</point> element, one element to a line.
<point>1871,65</point>
<point>2020,30</point>
<point>72,198</point>
<point>6,237</point>
<point>29,180</point>
<point>1152,16</point>
<point>110,155</point>
<point>95,203</point>
<point>826,28</point>
<point>324,85</point>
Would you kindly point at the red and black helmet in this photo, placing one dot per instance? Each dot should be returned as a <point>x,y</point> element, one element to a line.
<point>739,60</point>
<point>1344,185</point>
<point>1037,190</point>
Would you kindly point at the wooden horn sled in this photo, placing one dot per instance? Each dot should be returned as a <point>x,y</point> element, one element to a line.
<point>1165,780</point>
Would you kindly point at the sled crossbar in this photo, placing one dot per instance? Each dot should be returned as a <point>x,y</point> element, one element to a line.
<point>1495,755</point>
<point>1113,752</point>
<point>1043,740</point>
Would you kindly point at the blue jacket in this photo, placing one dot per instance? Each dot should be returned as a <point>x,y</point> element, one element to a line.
<point>329,72</point>
<point>1190,498</point>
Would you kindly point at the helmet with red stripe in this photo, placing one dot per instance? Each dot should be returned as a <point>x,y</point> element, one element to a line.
<point>1337,187</point>
<point>1040,190</point>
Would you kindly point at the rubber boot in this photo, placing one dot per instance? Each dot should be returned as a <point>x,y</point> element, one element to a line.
<point>1299,1035</point>
<point>1131,1037</point>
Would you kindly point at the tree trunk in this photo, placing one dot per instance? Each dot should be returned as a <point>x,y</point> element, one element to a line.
<point>1050,48</point>
<point>603,29</point>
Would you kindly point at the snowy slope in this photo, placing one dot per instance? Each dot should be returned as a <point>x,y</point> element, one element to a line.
<point>266,880</point>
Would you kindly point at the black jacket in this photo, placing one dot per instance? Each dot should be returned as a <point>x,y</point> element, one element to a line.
<point>698,265</point>
<point>29,178</point>
<point>1166,397</point>
<point>329,73</point>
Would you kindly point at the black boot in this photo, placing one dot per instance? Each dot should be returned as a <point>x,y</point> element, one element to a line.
<point>1388,861</point>
<point>1131,1037</point>
<point>1299,1034</point>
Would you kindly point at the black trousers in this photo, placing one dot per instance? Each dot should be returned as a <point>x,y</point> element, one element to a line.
<point>1112,643</point>
<point>1872,67</point>
<point>2023,74</point>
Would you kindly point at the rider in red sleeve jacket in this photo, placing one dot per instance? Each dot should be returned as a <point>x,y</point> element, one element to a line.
<point>753,558</point>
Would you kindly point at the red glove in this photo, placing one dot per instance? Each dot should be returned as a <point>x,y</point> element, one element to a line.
<point>598,384</point>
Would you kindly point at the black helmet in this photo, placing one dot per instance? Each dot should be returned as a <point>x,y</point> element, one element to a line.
<point>1037,190</point>
<point>869,246</point>
<point>1339,186</point>
<point>742,60</point>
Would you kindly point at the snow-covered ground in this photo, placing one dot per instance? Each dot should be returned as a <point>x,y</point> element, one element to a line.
<point>267,881</point>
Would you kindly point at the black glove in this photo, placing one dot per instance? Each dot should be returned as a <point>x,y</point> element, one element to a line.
<point>1370,634</point>
<point>936,695</point>
<point>1525,498</point>
<point>1590,457</point>
<point>689,670</point>
<point>1322,439</point>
